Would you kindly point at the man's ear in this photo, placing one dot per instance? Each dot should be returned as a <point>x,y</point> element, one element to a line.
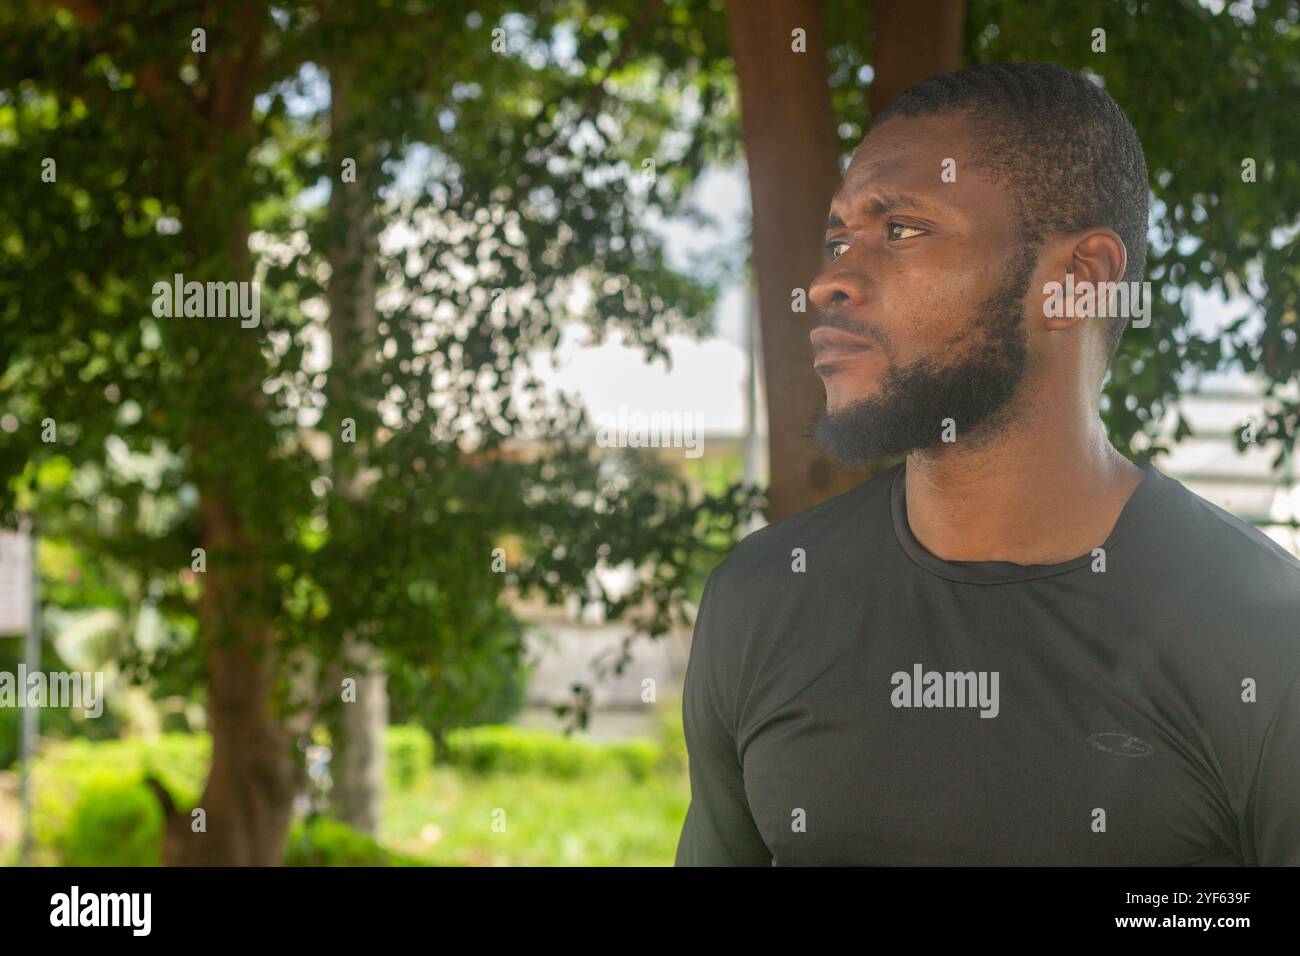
<point>1099,256</point>
<point>1072,269</point>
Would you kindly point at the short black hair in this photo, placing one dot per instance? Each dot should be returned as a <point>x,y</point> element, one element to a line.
<point>1058,141</point>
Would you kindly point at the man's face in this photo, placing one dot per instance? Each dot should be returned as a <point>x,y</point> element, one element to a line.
<point>922,297</point>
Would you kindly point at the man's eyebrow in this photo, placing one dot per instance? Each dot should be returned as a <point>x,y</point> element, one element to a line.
<point>882,204</point>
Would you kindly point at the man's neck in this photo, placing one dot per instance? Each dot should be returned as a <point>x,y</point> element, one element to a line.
<point>1041,497</point>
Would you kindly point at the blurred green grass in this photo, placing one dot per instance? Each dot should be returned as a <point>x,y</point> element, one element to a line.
<point>601,819</point>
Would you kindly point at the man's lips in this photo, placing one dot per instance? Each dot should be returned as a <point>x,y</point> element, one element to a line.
<point>833,345</point>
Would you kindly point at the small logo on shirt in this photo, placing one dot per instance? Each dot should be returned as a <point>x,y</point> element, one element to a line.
<point>1126,745</point>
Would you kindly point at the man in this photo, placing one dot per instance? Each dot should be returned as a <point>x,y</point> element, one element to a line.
<point>1014,646</point>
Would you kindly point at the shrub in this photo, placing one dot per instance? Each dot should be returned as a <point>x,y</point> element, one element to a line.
<point>116,822</point>
<point>638,757</point>
<point>320,841</point>
<point>499,748</point>
<point>409,752</point>
<point>64,771</point>
<point>671,734</point>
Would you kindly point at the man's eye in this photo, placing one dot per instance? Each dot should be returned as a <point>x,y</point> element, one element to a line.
<point>900,225</point>
<point>837,248</point>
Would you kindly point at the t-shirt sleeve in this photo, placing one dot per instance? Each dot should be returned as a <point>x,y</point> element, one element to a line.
<point>1275,797</point>
<point>719,829</point>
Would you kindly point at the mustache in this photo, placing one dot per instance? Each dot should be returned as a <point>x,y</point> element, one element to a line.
<point>834,320</point>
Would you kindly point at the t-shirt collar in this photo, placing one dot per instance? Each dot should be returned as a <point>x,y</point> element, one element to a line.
<point>1005,572</point>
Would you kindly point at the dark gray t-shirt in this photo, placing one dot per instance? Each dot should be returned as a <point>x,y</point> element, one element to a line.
<point>852,699</point>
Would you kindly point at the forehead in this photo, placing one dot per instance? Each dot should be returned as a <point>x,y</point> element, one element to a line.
<point>906,157</point>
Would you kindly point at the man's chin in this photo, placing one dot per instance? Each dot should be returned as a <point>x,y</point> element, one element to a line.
<point>859,434</point>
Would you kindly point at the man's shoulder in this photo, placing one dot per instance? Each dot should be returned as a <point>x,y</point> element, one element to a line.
<point>1225,549</point>
<point>817,534</point>
<point>1227,592</point>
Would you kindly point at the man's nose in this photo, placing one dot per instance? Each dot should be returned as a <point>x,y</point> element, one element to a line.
<point>836,287</point>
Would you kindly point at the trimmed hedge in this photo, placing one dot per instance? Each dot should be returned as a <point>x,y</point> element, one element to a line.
<point>116,822</point>
<point>409,753</point>
<point>321,841</point>
<point>82,787</point>
<point>501,748</point>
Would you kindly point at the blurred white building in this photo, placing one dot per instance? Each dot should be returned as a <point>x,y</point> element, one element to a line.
<point>1244,483</point>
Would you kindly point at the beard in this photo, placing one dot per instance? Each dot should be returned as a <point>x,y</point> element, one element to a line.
<point>975,391</point>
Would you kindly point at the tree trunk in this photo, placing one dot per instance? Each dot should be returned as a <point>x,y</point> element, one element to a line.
<point>792,149</point>
<point>793,155</point>
<point>248,799</point>
<point>356,728</point>
<point>912,40</point>
<point>254,777</point>
<point>357,764</point>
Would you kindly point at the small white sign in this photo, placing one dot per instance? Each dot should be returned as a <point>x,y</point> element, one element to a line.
<point>15,582</point>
